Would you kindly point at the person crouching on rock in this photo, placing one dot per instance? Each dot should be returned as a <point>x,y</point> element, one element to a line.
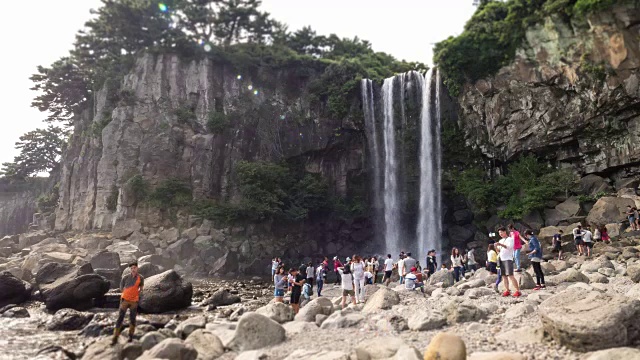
<point>506,262</point>
<point>296,289</point>
<point>131,287</point>
<point>347,286</point>
<point>280,281</point>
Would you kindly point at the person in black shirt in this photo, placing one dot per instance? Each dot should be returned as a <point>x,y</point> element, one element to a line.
<point>296,289</point>
<point>432,263</point>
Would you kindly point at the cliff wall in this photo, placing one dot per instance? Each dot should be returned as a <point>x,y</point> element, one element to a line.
<point>18,204</point>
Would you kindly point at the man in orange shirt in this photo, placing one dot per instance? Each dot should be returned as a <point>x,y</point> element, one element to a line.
<point>131,287</point>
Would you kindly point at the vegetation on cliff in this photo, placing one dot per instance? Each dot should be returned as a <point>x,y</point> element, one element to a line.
<point>526,186</point>
<point>494,33</point>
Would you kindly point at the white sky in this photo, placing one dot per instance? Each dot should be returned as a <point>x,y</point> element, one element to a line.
<point>38,32</point>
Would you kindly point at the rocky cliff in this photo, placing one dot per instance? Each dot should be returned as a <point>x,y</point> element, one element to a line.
<point>571,96</point>
<point>18,204</point>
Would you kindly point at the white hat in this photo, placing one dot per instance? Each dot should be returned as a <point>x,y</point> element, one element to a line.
<point>348,258</point>
<point>335,258</point>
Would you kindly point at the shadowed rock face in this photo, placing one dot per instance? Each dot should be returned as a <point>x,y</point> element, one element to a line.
<point>545,102</point>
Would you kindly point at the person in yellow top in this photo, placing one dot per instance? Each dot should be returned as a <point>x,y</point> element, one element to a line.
<point>131,287</point>
<point>492,259</point>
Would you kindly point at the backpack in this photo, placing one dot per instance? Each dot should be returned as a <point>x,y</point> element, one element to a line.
<point>306,290</point>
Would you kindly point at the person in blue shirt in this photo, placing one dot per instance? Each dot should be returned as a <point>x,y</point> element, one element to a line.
<point>535,255</point>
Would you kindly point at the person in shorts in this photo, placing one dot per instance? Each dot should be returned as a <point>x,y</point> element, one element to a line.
<point>587,241</point>
<point>506,246</point>
<point>280,282</point>
<point>631,216</point>
<point>388,270</point>
<point>347,286</point>
<point>577,238</point>
<point>557,243</point>
<point>296,283</point>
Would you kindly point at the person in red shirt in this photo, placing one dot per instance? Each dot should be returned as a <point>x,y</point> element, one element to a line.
<point>131,287</point>
<point>518,240</point>
<point>336,265</point>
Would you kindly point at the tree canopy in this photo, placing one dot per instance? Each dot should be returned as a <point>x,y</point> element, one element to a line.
<point>40,152</point>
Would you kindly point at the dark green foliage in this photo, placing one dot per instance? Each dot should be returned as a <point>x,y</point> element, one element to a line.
<point>494,33</point>
<point>40,151</point>
<point>596,71</point>
<point>47,202</point>
<point>170,193</point>
<point>112,199</point>
<point>592,198</point>
<point>525,187</point>
<point>127,97</point>
<point>217,122</point>
<point>137,187</point>
<point>98,126</point>
<point>185,114</point>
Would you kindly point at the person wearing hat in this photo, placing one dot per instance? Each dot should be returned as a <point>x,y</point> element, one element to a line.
<point>413,280</point>
<point>131,287</point>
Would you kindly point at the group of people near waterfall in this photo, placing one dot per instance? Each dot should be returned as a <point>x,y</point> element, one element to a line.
<point>503,259</point>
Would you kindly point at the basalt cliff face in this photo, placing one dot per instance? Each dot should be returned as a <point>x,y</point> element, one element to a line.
<point>572,96</point>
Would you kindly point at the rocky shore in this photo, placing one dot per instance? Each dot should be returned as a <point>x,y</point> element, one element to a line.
<point>67,311</point>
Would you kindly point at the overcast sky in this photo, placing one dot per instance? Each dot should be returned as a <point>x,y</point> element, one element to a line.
<point>38,32</point>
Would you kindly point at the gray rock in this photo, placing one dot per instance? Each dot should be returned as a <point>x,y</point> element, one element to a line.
<point>127,251</point>
<point>608,210</point>
<point>69,319</point>
<point>222,297</point>
<point>589,320</point>
<point>190,325</point>
<point>122,229</point>
<point>69,286</point>
<point>15,312</point>
<point>444,277</point>
<point>379,348</point>
<point>633,272</point>
<point>278,312</point>
<point>255,331</point>
<point>298,327</point>
<point>317,354</point>
<point>459,312</point>
<point>569,275</point>
<point>479,292</point>
<point>207,345</point>
<point>105,260</point>
<point>316,306</point>
<point>427,320</point>
<point>151,339</point>
<point>341,320</point>
<point>621,353</point>
<point>13,290</point>
<point>174,349</point>
<point>518,310</point>
<point>596,264</point>
<point>131,351</point>
<point>383,299</point>
<point>165,292</point>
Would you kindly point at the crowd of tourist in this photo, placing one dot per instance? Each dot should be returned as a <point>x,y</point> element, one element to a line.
<point>503,259</point>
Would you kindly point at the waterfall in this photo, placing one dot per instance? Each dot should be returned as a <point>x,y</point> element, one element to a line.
<point>391,205</point>
<point>406,112</point>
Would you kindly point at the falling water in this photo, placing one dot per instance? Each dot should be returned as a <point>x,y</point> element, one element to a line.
<point>391,206</point>
<point>368,107</point>
<point>428,219</point>
<point>437,229</point>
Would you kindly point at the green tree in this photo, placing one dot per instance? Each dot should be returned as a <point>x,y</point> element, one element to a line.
<point>40,151</point>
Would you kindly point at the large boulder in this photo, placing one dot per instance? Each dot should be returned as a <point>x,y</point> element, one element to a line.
<point>127,251</point>
<point>70,286</point>
<point>571,207</point>
<point>524,279</point>
<point>442,276</point>
<point>165,292</point>
<point>633,272</point>
<point>585,320</point>
<point>190,325</point>
<point>207,345</point>
<point>315,307</point>
<point>28,239</point>
<point>278,312</point>
<point>68,320</point>
<point>105,260</point>
<point>622,353</point>
<point>555,217</point>
<point>382,299</point>
<point>379,348</point>
<point>342,320</point>
<point>427,320</point>
<point>569,275</point>
<point>593,184</point>
<point>173,348</point>
<point>181,249</point>
<point>609,210</point>
<point>594,265</point>
<point>459,312</point>
<point>446,346</point>
<point>123,228</point>
<point>459,235</point>
<point>13,290</point>
<point>255,331</point>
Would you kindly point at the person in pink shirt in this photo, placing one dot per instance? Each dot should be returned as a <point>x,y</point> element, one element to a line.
<point>336,265</point>
<point>518,240</point>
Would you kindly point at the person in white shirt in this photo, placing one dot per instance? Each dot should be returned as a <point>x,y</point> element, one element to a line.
<point>577,238</point>
<point>311,274</point>
<point>400,266</point>
<point>456,263</point>
<point>471,260</point>
<point>347,286</point>
<point>388,270</point>
<point>357,268</point>
<point>587,240</point>
<point>506,262</point>
<point>368,277</point>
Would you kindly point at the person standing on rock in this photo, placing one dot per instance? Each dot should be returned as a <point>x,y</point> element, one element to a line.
<point>357,269</point>
<point>471,260</point>
<point>280,282</point>
<point>311,273</point>
<point>376,268</point>
<point>456,263</point>
<point>577,238</point>
<point>597,235</point>
<point>517,245</point>
<point>492,259</point>
<point>557,243</point>
<point>320,276</point>
<point>131,287</point>
<point>587,240</point>
<point>296,289</point>
<point>636,215</point>
<point>401,268</point>
<point>631,216</point>
<point>432,263</point>
<point>347,286</point>
<point>535,255</point>
<point>605,235</point>
<point>506,245</point>
<point>274,266</point>
<point>409,262</point>
<point>388,270</point>
<point>336,265</point>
